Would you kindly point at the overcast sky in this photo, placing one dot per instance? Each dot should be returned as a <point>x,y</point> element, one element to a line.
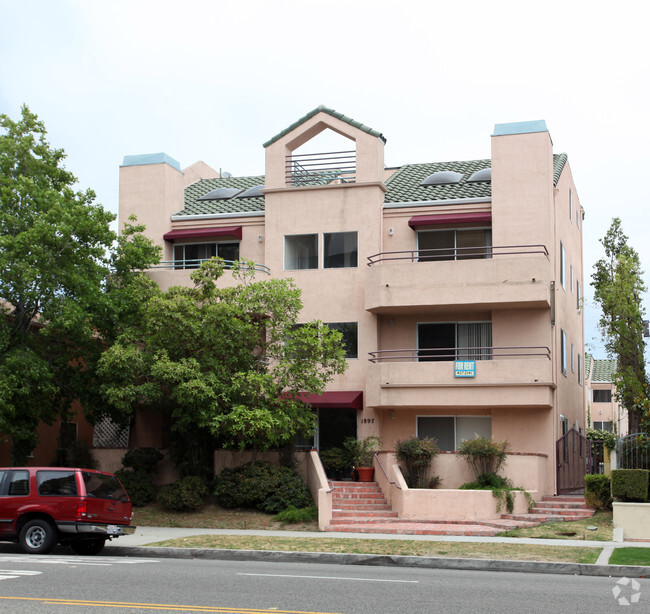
<point>213,80</point>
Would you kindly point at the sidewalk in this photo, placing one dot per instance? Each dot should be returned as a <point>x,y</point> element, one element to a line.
<point>138,545</point>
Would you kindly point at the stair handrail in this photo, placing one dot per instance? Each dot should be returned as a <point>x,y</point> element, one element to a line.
<point>385,474</point>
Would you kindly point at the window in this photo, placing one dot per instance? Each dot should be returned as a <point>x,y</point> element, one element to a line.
<point>458,244</point>
<point>349,330</point>
<point>571,277</point>
<point>604,426</point>
<point>300,252</point>
<point>56,483</point>
<point>579,369</point>
<point>562,265</point>
<point>452,340</point>
<point>602,396</point>
<point>573,365</point>
<point>564,426</point>
<point>571,205</point>
<point>563,350</point>
<point>578,295</point>
<point>14,483</point>
<point>449,431</point>
<point>339,250</point>
<point>191,255</point>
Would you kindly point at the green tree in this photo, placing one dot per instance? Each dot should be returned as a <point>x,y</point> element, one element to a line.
<point>229,361</point>
<point>55,258</point>
<point>618,285</point>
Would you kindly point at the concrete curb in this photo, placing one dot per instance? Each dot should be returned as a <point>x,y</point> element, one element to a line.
<point>335,558</point>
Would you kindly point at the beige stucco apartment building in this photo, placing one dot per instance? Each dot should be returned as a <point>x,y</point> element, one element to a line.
<point>457,285</point>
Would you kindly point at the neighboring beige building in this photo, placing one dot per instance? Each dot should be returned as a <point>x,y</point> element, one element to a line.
<point>421,266</point>
<point>603,408</point>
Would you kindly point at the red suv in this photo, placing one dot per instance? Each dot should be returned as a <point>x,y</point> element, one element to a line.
<point>43,506</point>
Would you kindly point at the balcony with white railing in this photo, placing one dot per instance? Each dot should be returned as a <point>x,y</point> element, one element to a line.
<point>484,277</point>
<point>170,273</point>
<point>499,376</point>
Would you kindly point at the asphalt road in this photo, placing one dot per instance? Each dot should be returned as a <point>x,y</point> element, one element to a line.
<point>71,584</point>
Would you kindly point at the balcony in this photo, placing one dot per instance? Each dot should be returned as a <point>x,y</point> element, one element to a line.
<point>320,168</point>
<point>513,376</point>
<point>490,277</point>
<point>177,272</point>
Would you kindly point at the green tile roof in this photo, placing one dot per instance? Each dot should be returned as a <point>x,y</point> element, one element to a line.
<point>603,370</point>
<point>333,113</point>
<point>403,186</point>
<point>193,206</point>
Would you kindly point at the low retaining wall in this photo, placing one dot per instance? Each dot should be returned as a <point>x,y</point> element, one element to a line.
<point>633,518</point>
<point>449,504</point>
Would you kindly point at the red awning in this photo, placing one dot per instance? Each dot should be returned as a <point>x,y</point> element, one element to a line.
<point>197,233</point>
<point>450,218</point>
<point>345,398</point>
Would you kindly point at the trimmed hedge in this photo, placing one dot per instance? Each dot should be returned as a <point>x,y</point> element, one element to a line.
<point>265,486</point>
<point>631,484</point>
<point>598,491</point>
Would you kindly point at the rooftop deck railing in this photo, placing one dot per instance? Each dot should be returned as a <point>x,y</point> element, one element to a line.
<point>321,168</point>
<point>465,353</point>
<point>178,265</point>
<point>457,253</point>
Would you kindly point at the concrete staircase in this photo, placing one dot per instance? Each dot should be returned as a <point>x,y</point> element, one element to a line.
<point>360,507</point>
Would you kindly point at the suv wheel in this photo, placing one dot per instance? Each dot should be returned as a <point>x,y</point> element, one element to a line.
<point>38,537</point>
<point>88,547</point>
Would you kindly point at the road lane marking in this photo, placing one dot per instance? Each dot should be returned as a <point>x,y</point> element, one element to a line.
<point>160,606</point>
<point>273,575</point>
<point>10,574</point>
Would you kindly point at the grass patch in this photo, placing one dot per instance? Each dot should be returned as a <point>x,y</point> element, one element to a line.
<point>576,529</point>
<point>213,516</point>
<point>630,556</point>
<point>390,547</point>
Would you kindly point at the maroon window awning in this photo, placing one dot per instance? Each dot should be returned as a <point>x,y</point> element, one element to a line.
<point>199,233</point>
<point>344,398</point>
<point>450,218</point>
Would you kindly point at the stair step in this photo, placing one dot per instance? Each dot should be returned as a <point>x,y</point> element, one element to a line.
<point>575,505</point>
<point>341,505</point>
<point>563,511</point>
<point>577,498</point>
<point>363,514</point>
<point>538,518</point>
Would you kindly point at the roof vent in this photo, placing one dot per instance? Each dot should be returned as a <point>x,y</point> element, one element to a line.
<point>485,174</point>
<point>221,194</point>
<point>253,192</point>
<point>442,177</point>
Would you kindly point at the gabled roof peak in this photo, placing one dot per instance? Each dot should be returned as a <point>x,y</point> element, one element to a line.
<point>323,109</point>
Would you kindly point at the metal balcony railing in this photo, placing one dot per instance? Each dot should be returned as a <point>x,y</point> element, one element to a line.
<point>178,265</point>
<point>457,253</point>
<point>465,353</point>
<point>321,168</point>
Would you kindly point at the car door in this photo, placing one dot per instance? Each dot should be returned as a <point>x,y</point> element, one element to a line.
<point>106,499</point>
<point>14,494</point>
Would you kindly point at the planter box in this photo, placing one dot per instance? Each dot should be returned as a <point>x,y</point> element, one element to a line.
<point>633,518</point>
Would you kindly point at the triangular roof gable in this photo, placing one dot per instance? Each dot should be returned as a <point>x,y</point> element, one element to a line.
<point>331,112</point>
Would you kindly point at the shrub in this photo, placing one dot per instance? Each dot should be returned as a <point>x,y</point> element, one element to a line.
<point>484,455</point>
<point>630,484</point>
<point>79,455</point>
<point>293,516</point>
<point>186,494</point>
<point>416,455</point>
<point>608,439</point>
<point>265,486</point>
<point>501,488</point>
<point>142,459</point>
<point>336,462</point>
<point>598,491</point>
<point>362,451</point>
<point>138,486</point>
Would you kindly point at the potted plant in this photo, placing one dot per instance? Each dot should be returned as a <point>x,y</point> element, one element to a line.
<point>362,452</point>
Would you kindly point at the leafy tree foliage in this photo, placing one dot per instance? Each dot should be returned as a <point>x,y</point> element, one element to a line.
<point>230,361</point>
<point>618,284</point>
<point>55,257</point>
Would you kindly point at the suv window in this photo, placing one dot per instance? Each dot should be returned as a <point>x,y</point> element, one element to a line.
<point>14,483</point>
<point>103,486</point>
<point>56,483</point>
